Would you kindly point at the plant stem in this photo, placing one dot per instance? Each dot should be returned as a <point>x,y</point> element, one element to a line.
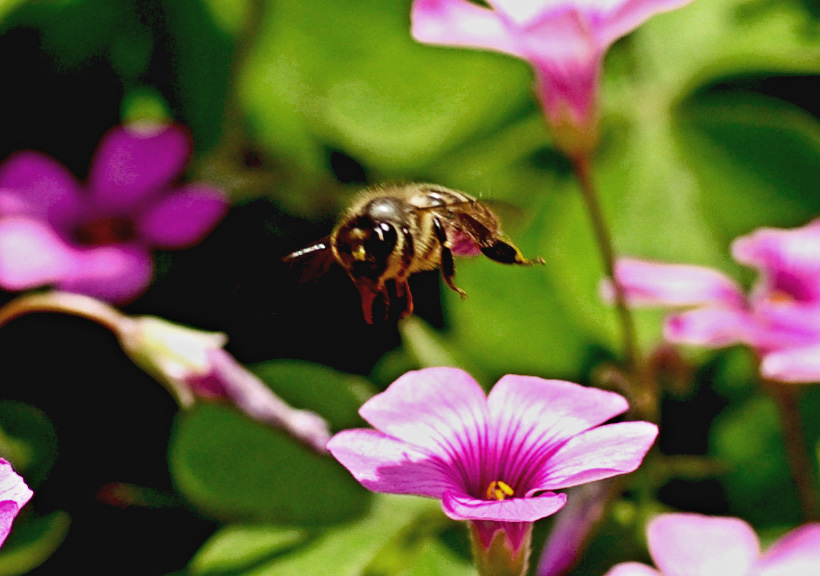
<point>65,303</point>
<point>787,398</point>
<point>643,389</point>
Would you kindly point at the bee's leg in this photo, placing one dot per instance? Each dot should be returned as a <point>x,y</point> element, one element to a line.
<point>448,266</point>
<point>403,298</point>
<point>504,251</point>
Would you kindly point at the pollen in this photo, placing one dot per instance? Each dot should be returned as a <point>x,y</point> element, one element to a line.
<point>780,297</point>
<point>499,490</point>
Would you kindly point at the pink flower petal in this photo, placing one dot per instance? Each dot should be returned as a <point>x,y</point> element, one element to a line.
<point>184,217</point>
<point>442,410</point>
<point>789,260</point>
<point>384,464</point>
<point>524,12</point>
<point>796,554</point>
<point>792,365</point>
<point>133,164</point>
<point>31,254</point>
<point>13,495</point>
<point>461,507</point>
<point>696,545</point>
<point>32,184</point>
<point>530,415</point>
<point>230,379</point>
<point>116,273</point>
<point>714,327</point>
<point>632,569</point>
<point>462,23</point>
<point>657,284</point>
<point>596,454</point>
<point>632,13</point>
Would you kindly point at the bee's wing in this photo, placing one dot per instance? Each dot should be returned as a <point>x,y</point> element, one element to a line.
<point>312,261</point>
<point>473,228</point>
<point>470,225</point>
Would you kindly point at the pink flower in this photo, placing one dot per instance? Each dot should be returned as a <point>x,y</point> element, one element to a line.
<point>779,318</point>
<point>13,495</point>
<point>97,239</point>
<point>492,460</point>
<point>564,40</point>
<point>696,545</point>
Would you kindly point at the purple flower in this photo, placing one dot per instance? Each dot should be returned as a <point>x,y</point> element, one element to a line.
<point>97,239</point>
<point>696,545</point>
<point>779,317</point>
<point>564,40</point>
<point>13,495</point>
<point>193,365</point>
<point>492,460</point>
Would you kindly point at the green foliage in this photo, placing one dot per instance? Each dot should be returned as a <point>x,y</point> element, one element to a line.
<point>33,541</point>
<point>362,546</point>
<point>702,141</point>
<point>237,469</point>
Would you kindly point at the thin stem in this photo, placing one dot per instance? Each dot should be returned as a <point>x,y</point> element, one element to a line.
<point>65,303</point>
<point>787,398</point>
<point>644,392</point>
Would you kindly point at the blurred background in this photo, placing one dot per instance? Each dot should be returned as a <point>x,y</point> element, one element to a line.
<point>710,129</point>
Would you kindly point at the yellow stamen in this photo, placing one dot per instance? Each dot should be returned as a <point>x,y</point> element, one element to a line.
<point>499,490</point>
<point>780,297</point>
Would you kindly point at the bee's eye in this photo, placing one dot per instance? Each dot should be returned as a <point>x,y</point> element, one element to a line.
<point>381,241</point>
<point>367,246</point>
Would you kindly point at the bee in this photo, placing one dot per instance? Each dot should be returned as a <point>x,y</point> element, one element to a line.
<point>391,232</point>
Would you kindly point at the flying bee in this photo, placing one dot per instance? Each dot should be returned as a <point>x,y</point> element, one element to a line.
<point>392,232</point>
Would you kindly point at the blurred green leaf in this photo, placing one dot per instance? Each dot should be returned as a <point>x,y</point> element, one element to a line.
<point>201,82</point>
<point>27,440</point>
<point>32,541</point>
<point>346,550</point>
<point>348,75</point>
<point>758,157</point>
<point>236,547</point>
<point>332,394</point>
<point>237,469</point>
<point>684,48</point>
<point>758,487</point>
<point>6,7</point>
<point>435,559</point>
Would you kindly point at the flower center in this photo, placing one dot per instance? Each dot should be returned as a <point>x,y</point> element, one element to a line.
<point>780,297</point>
<point>499,490</point>
<point>108,230</point>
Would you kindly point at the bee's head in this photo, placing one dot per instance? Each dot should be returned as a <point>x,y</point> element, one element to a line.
<point>363,246</point>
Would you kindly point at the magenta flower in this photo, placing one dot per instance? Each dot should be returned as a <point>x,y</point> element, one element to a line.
<point>696,545</point>
<point>13,496</point>
<point>779,317</point>
<point>97,239</point>
<point>492,460</point>
<point>564,41</point>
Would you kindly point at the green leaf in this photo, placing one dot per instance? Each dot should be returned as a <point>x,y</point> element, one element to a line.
<point>687,46</point>
<point>345,550</point>
<point>435,559</point>
<point>332,394</point>
<point>318,80</point>
<point>27,440</point>
<point>236,547</point>
<point>32,541</point>
<point>202,80</point>
<point>7,6</point>
<point>234,468</point>
<point>758,156</point>
<point>348,550</point>
<point>747,438</point>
